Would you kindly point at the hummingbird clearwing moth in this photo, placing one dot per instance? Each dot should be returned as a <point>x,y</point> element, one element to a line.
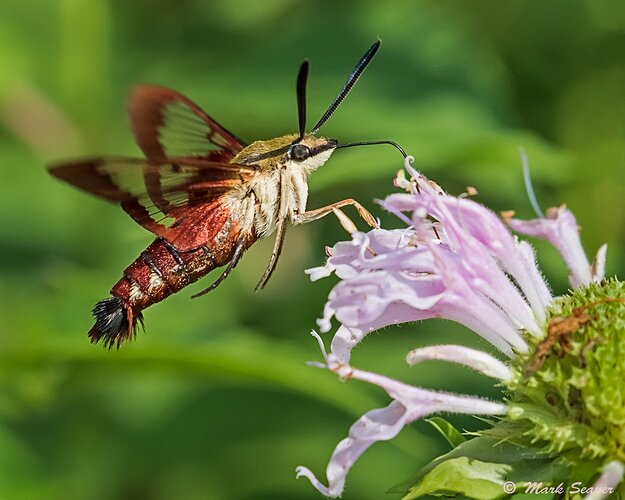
<point>204,193</point>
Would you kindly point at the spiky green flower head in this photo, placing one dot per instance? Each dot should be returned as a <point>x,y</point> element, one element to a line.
<point>564,432</point>
<point>567,396</point>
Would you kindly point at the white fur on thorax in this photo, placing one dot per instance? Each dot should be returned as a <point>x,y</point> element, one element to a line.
<point>256,203</point>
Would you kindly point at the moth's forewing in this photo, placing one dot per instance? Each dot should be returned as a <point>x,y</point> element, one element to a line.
<point>190,192</point>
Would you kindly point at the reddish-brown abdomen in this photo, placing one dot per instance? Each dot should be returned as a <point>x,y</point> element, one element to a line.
<point>161,270</point>
<point>158,272</point>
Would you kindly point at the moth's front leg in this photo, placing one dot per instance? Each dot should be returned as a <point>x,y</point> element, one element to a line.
<point>311,215</point>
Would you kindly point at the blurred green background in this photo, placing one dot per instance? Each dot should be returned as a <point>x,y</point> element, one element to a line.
<point>215,401</point>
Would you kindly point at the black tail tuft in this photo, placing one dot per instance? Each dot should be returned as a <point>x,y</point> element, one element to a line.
<point>115,322</point>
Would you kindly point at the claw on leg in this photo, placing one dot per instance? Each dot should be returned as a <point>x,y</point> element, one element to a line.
<point>366,216</point>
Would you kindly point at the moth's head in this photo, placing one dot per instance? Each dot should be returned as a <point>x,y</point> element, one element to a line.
<point>309,152</point>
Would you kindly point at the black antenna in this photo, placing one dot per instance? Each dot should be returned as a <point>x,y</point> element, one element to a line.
<point>370,143</point>
<point>351,81</point>
<point>302,78</point>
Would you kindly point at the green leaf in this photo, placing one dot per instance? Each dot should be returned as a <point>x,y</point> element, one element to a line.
<point>523,463</point>
<point>465,476</point>
<point>482,448</point>
<point>448,431</point>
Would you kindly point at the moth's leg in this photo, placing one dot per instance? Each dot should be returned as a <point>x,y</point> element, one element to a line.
<point>277,250</point>
<point>280,233</point>
<point>311,215</point>
<point>236,257</point>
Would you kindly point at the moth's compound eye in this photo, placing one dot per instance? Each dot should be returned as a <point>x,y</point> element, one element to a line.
<point>299,152</point>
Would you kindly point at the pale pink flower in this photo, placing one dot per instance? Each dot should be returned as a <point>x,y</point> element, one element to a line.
<point>457,260</point>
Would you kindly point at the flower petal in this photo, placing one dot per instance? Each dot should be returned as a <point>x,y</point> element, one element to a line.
<point>409,404</point>
<point>376,425</point>
<point>527,260</point>
<point>473,358</point>
<point>473,309</point>
<point>490,280</point>
<point>346,338</point>
<point>560,229</point>
<point>610,478</point>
